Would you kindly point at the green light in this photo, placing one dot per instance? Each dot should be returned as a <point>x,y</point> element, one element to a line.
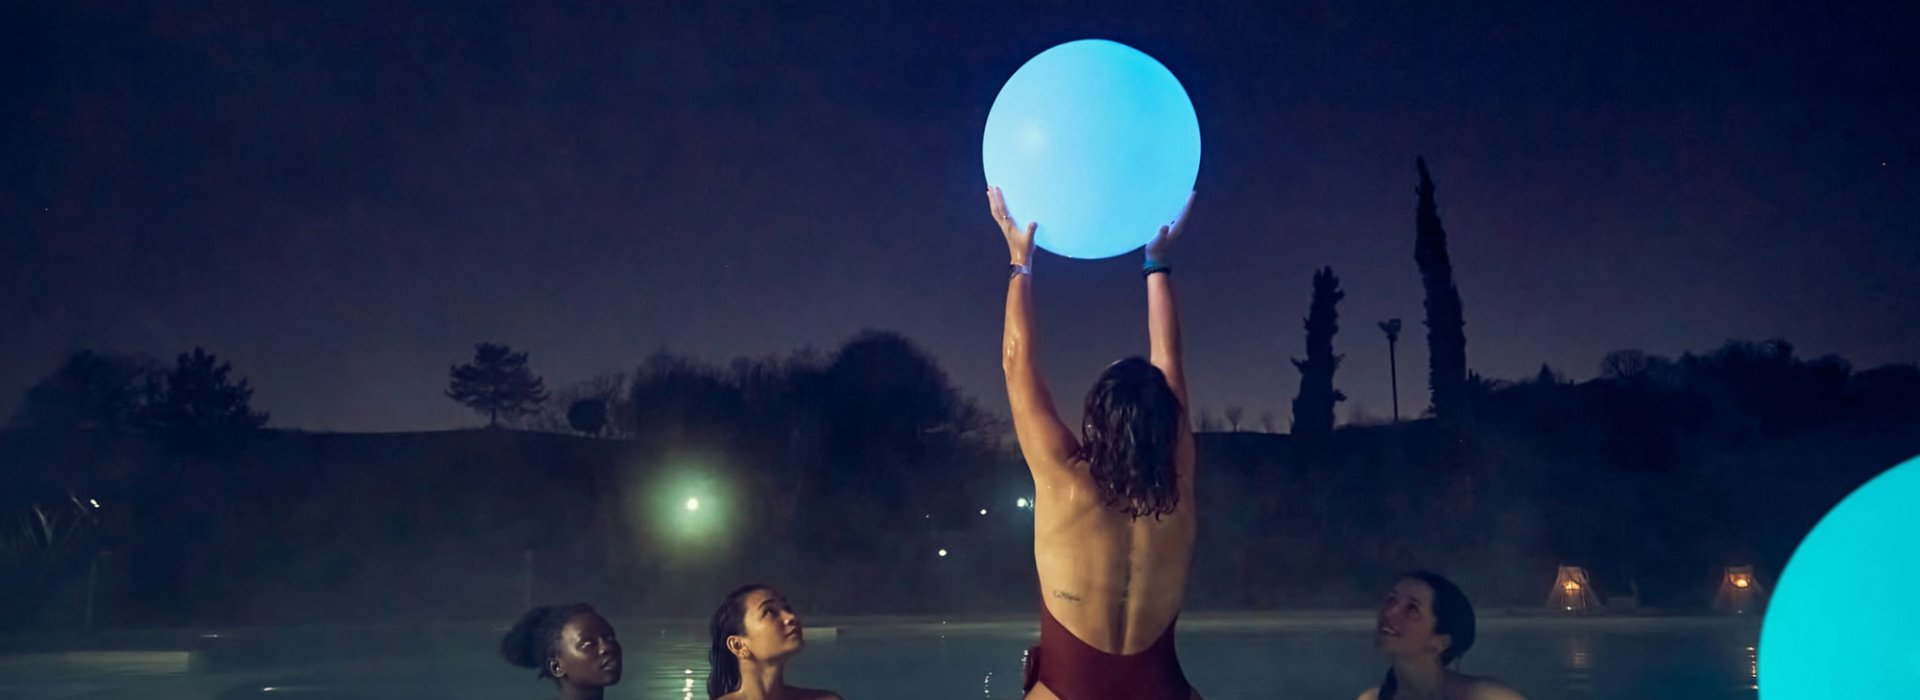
<point>681,509</point>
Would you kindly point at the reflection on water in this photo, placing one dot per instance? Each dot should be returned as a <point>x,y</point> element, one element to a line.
<point>1579,676</point>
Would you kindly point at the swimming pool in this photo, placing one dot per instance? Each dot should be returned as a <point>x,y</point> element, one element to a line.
<point>1228,657</point>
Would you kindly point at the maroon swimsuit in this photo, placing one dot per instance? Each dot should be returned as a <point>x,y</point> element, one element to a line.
<point>1074,670</point>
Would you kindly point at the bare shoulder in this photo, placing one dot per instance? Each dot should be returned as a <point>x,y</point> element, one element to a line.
<point>1484,688</point>
<point>1371,694</point>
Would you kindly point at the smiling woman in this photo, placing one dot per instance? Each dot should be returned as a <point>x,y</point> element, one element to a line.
<point>1425,625</point>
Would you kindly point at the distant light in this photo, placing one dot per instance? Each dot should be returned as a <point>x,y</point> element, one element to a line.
<point>95,503</point>
<point>943,552</point>
<point>983,511</point>
<point>693,504</point>
<point>1571,586</point>
<point>1022,503</point>
<point>1740,582</point>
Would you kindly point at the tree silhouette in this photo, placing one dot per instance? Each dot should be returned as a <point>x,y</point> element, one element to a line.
<point>497,383</point>
<point>609,388</point>
<point>1206,423</point>
<point>195,407</point>
<point>888,404</point>
<point>588,416</point>
<point>1627,364</point>
<point>1233,414</point>
<point>895,438</point>
<point>1313,406</point>
<point>674,398</point>
<point>88,391</point>
<point>1446,320</point>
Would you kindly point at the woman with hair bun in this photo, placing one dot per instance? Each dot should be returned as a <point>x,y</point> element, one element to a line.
<point>570,644</point>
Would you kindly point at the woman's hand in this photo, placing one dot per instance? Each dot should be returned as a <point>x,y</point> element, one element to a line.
<point>1019,241</point>
<point>1157,249</point>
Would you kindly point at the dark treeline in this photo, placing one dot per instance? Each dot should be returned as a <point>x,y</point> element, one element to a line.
<point>861,480</point>
<point>825,464</point>
<point>849,470</point>
<point>1654,476</point>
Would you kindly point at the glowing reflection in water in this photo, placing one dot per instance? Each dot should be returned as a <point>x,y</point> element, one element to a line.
<point>1579,672</point>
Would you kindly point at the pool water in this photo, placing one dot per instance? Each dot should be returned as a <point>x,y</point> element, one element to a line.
<point>1226,657</point>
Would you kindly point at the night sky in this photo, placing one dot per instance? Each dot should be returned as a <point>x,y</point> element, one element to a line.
<point>342,198</point>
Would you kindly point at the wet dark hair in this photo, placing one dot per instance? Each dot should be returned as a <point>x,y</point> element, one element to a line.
<point>532,640</point>
<point>1452,616</point>
<point>723,674</point>
<point>1131,429</point>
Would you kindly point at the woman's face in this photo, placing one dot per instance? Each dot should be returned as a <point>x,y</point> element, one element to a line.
<point>588,654</point>
<point>1406,623</point>
<point>772,628</point>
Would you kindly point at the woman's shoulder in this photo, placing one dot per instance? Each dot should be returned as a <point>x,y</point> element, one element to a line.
<point>1370,694</point>
<point>801,693</point>
<point>1467,687</point>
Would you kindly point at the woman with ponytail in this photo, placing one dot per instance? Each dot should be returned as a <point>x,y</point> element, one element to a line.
<point>755,635</point>
<point>570,644</point>
<point>1425,625</point>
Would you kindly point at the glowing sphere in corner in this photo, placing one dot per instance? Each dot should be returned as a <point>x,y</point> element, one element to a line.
<point>1097,143</point>
<point>1838,623</point>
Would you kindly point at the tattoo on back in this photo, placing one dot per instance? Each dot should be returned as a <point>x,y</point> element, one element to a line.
<point>1069,597</point>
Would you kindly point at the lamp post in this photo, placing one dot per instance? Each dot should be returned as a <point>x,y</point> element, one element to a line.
<point>1392,329</point>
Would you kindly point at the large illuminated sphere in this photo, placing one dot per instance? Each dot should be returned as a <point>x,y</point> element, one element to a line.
<point>1097,143</point>
<point>1840,622</point>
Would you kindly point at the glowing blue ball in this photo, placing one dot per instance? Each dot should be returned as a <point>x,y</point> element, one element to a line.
<point>1096,142</point>
<point>1841,621</point>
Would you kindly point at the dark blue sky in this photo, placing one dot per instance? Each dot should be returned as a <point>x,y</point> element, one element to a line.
<point>342,197</point>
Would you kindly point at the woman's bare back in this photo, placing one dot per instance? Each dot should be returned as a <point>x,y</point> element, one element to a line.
<point>1113,581</point>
